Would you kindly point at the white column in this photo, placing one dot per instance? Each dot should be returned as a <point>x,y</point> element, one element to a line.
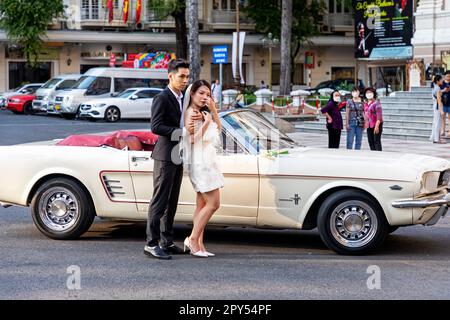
<point>3,75</point>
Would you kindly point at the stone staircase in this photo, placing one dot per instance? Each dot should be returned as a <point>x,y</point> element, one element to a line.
<point>408,115</point>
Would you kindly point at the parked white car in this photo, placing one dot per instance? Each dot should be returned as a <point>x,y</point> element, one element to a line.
<point>30,88</point>
<point>100,83</point>
<point>354,198</point>
<point>47,92</point>
<point>133,103</point>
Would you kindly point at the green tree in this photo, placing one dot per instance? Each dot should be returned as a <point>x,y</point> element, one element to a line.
<point>306,15</point>
<point>176,9</point>
<point>26,22</point>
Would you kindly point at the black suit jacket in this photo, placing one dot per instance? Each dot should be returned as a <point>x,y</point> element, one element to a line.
<point>166,116</point>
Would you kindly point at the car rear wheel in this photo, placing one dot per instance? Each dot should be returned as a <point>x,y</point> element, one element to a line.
<point>112,114</point>
<point>62,209</point>
<point>352,223</point>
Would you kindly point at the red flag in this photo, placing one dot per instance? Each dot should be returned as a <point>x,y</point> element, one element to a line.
<point>138,10</point>
<point>125,10</point>
<point>110,6</point>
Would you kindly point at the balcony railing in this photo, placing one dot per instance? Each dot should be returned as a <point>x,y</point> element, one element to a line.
<point>227,17</point>
<point>339,20</point>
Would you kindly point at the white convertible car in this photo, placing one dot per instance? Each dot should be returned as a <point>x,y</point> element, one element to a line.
<point>353,198</point>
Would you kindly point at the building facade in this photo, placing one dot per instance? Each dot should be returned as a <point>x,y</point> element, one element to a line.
<point>86,39</point>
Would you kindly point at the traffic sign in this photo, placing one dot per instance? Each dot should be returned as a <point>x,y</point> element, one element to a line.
<point>220,54</point>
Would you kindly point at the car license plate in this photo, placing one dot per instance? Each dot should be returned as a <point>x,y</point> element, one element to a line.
<point>37,104</point>
<point>57,107</point>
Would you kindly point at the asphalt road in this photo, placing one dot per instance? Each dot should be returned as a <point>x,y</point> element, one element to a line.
<point>414,262</point>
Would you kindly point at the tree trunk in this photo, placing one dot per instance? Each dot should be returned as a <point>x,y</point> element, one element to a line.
<point>194,43</point>
<point>180,29</point>
<point>293,56</point>
<point>286,32</point>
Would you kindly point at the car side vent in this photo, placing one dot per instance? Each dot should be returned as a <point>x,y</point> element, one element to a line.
<point>112,186</point>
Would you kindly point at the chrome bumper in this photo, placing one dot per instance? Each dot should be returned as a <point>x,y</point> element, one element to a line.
<point>423,203</point>
<point>443,202</point>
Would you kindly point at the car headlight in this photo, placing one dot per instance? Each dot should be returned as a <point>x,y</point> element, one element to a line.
<point>430,182</point>
<point>101,105</point>
<point>14,100</point>
<point>444,178</point>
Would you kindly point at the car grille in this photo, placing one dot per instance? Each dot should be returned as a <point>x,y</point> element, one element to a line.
<point>40,98</point>
<point>85,107</point>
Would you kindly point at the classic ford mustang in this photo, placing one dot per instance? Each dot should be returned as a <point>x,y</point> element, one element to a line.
<point>353,198</point>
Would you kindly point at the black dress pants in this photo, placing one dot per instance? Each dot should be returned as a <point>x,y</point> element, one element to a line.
<point>375,139</point>
<point>167,178</point>
<point>334,138</point>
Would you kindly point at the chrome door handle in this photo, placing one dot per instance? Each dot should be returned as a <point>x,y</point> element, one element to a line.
<point>134,159</point>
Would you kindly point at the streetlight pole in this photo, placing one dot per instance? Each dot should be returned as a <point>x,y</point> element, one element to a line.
<point>270,42</point>
<point>238,76</point>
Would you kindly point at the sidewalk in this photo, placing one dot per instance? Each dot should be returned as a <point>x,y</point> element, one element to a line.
<point>394,145</point>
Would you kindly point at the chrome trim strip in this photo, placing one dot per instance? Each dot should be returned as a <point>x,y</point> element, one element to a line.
<point>423,203</point>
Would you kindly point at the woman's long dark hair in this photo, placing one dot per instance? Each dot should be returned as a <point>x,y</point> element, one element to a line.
<point>437,78</point>
<point>198,84</point>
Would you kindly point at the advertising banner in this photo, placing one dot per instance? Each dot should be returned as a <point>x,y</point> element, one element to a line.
<point>383,29</point>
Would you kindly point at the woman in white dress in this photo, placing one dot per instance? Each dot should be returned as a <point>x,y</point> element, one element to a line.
<point>199,160</point>
<point>439,115</point>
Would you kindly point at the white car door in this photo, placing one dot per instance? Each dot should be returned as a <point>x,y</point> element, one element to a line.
<point>239,197</point>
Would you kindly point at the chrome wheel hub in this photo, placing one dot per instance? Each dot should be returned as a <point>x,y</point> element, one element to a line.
<point>353,223</point>
<point>58,209</point>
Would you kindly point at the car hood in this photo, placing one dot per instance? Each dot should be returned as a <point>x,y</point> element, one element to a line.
<point>354,164</point>
<point>9,94</point>
<point>71,93</point>
<point>44,92</point>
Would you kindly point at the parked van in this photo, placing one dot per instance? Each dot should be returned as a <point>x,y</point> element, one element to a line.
<point>48,91</point>
<point>106,82</point>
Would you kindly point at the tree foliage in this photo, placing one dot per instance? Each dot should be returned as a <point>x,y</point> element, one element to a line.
<point>26,22</point>
<point>176,9</point>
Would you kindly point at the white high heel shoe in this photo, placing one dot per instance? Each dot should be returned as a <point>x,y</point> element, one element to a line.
<point>209,254</point>
<point>200,254</point>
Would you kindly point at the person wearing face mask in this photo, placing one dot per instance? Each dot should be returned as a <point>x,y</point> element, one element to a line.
<point>355,120</point>
<point>374,115</point>
<point>334,119</point>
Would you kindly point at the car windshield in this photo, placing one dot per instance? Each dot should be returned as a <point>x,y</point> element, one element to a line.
<point>323,85</point>
<point>84,82</point>
<point>51,83</point>
<point>255,132</point>
<point>126,94</point>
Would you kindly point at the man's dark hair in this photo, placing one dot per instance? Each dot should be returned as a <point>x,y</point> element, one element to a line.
<point>447,72</point>
<point>176,64</point>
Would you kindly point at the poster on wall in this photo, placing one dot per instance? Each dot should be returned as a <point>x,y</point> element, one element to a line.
<point>383,29</point>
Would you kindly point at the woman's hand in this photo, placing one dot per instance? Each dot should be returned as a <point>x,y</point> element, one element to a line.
<point>348,127</point>
<point>329,120</point>
<point>195,117</point>
<point>376,130</point>
<point>207,116</point>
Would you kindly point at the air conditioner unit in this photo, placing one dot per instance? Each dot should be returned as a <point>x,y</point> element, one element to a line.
<point>323,28</point>
<point>139,26</point>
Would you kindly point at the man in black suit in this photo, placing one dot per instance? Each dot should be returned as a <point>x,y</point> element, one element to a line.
<point>166,122</point>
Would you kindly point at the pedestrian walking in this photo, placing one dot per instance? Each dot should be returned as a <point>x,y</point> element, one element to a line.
<point>216,91</point>
<point>445,88</point>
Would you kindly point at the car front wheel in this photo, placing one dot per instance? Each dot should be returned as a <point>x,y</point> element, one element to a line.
<point>61,209</point>
<point>112,114</point>
<point>352,223</point>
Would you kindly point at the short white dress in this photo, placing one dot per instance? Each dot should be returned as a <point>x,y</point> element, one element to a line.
<point>200,160</point>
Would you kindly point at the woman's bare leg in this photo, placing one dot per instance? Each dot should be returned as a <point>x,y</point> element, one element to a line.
<point>212,203</point>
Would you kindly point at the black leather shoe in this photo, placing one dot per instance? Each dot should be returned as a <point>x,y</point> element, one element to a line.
<point>173,249</point>
<point>156,252</point>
